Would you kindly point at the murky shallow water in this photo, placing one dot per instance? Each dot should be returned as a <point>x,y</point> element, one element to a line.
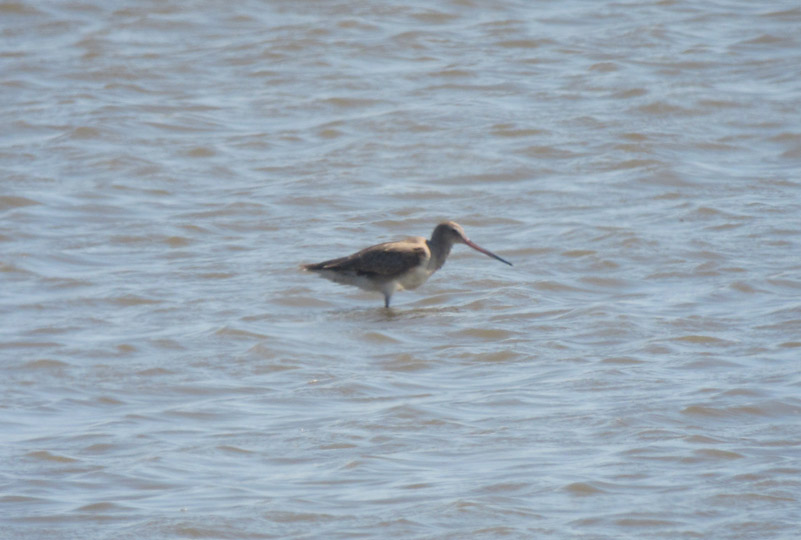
<point>168,372</point>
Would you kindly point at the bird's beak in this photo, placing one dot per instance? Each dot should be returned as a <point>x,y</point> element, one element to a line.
<point>484,251</point>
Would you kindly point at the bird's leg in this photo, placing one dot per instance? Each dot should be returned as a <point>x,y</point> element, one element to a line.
<point>386,300</point>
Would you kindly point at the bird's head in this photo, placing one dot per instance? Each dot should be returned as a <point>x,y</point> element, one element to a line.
<point>450,232</point>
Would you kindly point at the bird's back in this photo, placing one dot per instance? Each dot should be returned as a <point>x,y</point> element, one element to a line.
<point>387,260</point>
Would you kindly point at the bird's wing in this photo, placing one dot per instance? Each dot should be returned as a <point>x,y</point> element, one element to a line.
<point>387,259</point>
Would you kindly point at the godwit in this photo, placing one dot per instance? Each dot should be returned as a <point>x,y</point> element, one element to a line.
<point>397,266</point>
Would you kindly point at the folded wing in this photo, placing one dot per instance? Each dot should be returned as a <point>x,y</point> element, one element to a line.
<point>383,260</point>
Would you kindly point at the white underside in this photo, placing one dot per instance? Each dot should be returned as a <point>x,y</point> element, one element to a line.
<point>410,280</point>
<point>415,278</point>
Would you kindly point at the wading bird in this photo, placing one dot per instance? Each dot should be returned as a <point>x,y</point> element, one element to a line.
<point>397,266</point>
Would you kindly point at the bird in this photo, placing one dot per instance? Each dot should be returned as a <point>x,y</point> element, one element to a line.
<point>397,266</point>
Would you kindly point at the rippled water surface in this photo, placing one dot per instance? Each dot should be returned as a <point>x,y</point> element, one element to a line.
<point>168,372</point>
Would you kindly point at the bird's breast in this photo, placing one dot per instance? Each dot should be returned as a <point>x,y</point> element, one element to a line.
<point>414,277</point>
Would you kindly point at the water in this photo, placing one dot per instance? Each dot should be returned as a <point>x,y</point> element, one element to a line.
<point>167,372</point>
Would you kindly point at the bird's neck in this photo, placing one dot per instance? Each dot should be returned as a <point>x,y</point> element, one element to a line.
<point>440,249</point>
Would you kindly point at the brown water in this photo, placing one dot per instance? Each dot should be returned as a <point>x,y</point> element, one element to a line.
<point>167,372</point>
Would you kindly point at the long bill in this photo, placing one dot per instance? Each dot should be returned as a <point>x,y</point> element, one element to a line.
<point>484,251</point>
